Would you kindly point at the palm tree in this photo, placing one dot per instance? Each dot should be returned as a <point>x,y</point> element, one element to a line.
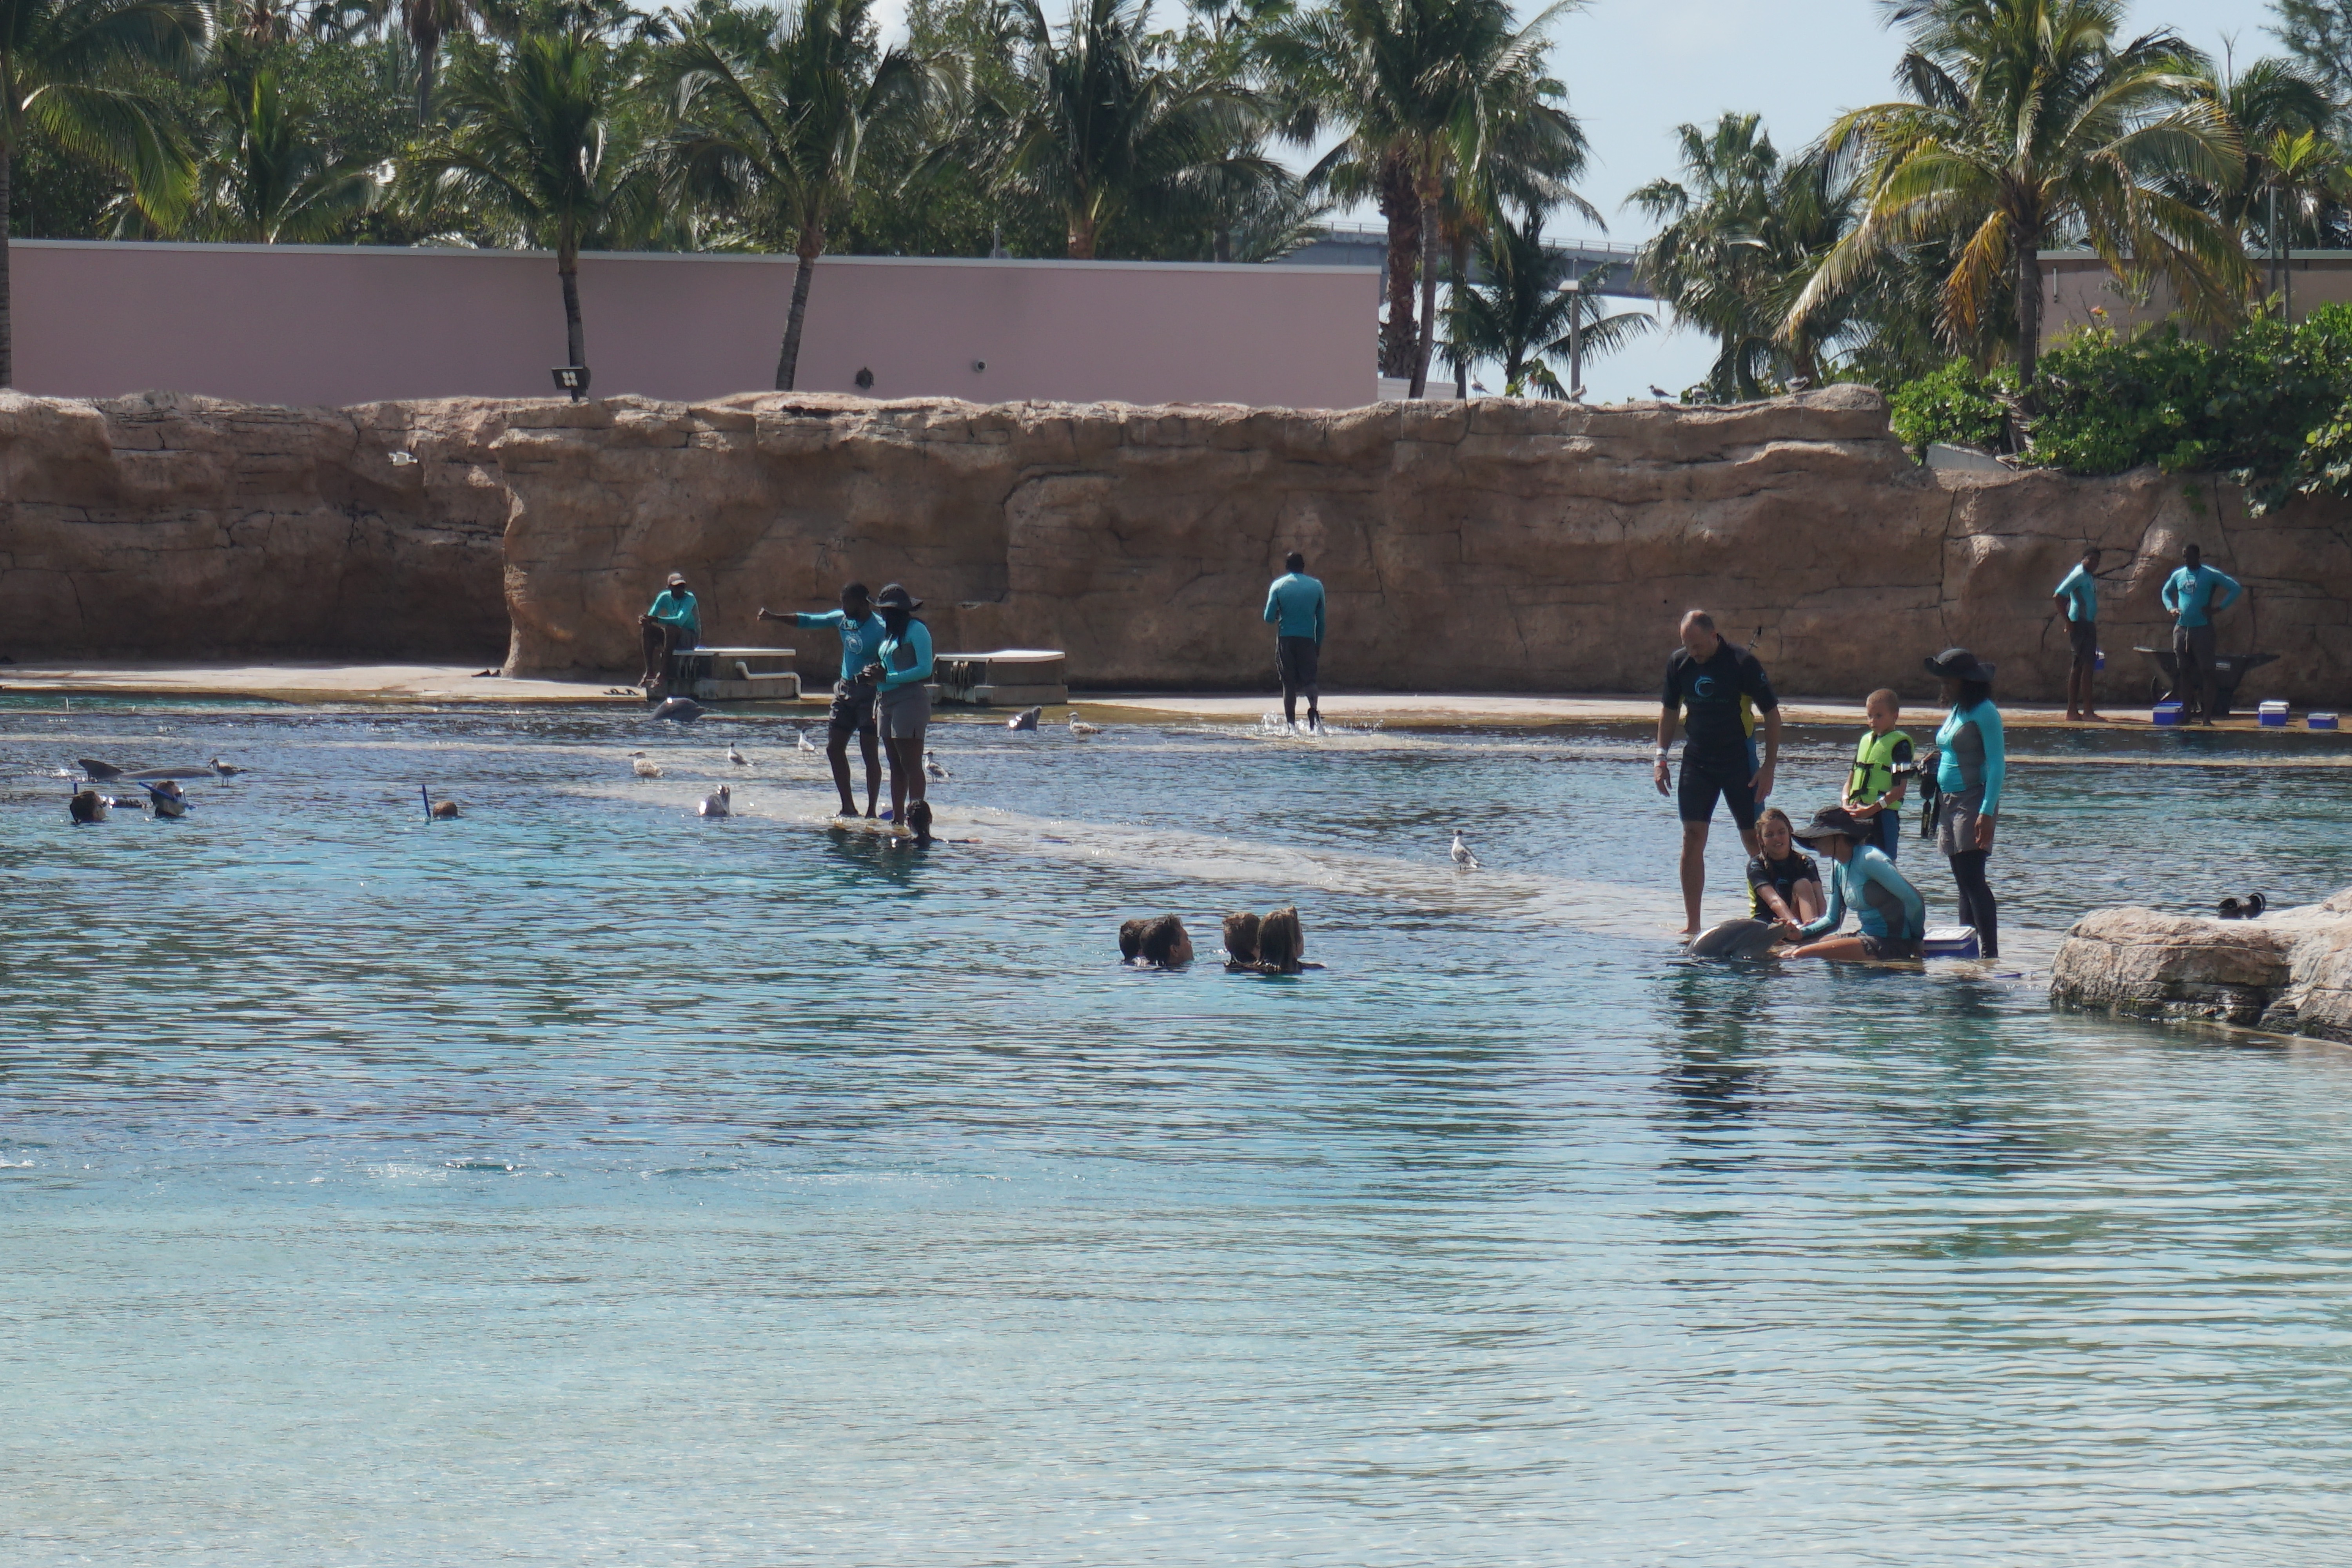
<point>771,126</point>
<point>265,180</point>
<point>1708,259</point>
<point>535,145</point>
<point>55,59</point>
<point>1523,314</point>
<point>1428,89</point>
<point>2028,124</point>
<point>2289,172</point>
<point>1098,125</point>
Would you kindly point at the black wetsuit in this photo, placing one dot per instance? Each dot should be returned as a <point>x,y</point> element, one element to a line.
<point>1719,699</point>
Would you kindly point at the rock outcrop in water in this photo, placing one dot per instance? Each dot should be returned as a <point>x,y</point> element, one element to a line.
<point>2290,971</point>
<point>1492,545</point>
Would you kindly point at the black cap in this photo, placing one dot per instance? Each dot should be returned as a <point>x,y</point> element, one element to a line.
<point>1832,819</point>
<point>1960,664</point>
<point>895,597</point>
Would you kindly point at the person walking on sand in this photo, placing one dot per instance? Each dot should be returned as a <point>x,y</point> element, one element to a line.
<point>2189,595</point>
<point>902,663</point>
<point>1882,761</point>
<point>672,625</point>
<point>1294,607</point>
<point>2078,596</point>
<point>852,698</point>
<point>1716,689</point>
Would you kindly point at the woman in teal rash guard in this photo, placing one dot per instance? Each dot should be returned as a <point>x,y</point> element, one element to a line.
<point>901,665</point>
<point>1971,765</point>
<point>1894,917</point>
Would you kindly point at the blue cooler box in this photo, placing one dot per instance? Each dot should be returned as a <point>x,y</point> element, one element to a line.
<point>1949,942</point>
<point>2320,720</point>
<point>2168,713</point>
<point>2271,715</point>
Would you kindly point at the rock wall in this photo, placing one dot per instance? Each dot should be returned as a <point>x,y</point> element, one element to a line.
<point>180,528</point>
<point>1491,545</point>
<point>2290,972</point>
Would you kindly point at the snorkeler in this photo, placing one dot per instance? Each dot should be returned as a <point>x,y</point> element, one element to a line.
<point>1894,917</point>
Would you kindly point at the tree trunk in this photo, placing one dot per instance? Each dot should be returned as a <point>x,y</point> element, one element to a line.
<point>7,316</point>
<point>1222,252</point>
<point>1082,236</point>
<point>1460,235</point>
<point>1428,336</point>
<point>567,264</point>
<point>2028,316</point>
<point>1401,206</point>
<point>788,363</point>
<point>428,57</point>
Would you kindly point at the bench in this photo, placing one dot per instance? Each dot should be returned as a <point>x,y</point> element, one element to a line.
<point>725,675</point>
<point>1008,678</point>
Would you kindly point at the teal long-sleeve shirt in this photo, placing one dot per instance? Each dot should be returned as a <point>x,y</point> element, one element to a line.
<point>672,608</point>
<point>859,639</point>
<point>1972,754</point>
<point>2081,592</point>
<point>1294,607</point>
<point>905,659</point>
<point>2192,594</point>
<point>1884,900</point>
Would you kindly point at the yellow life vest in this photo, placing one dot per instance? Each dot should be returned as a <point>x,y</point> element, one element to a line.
<point>1873,765</point>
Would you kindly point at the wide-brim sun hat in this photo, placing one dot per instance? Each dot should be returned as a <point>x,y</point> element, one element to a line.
<point>895,597</point>
<point>1828,821</point>
<point>1960,664</point>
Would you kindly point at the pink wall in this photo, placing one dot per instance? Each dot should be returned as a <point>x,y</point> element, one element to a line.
<point>330,325</point>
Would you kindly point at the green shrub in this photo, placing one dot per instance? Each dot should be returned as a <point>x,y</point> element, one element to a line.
<point>1953,405</point>
<point>2268,407</point>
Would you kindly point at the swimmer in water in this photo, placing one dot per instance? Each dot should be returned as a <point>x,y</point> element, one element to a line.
<point>1894,917</point>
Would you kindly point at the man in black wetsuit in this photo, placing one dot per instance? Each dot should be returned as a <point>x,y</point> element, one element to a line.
<point>1717,689</point>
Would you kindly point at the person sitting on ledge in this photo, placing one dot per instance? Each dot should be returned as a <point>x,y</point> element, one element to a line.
<point>672,625</point>
<point>1894,916</point>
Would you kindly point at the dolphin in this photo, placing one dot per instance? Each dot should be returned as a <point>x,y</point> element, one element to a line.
<point>1734,939</point>
<point>1025,720</point>
<point>96,771</point>
<point>679,709</point>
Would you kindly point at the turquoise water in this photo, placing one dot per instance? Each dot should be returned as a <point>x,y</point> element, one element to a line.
<point>583,1183</point>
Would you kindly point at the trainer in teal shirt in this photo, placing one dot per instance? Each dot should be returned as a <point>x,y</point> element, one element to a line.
<point>675,607</point>
<point>1294,607</point>
<point>2190,591</point>
<point>1972,753</point>
<point>860,640</point>
<point>1881,897</point>
<point>905,660</point>
<point>2081,592</point>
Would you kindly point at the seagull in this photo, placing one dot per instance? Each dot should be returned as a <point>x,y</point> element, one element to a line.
<point>1576,394</point>
<point>806,744</point>
<point>1462,856</point>
<point>931,768</point>
<point>715,803</point>
<point>1799,382</point>
<point>644,767</point>
<point>1080,728</point>
<point>1660,393</point>
<point>1025,720</point>
<point>738,758</point>
<point>222,770</point>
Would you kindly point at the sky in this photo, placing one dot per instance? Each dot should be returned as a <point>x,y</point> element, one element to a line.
<point>1636,69</point>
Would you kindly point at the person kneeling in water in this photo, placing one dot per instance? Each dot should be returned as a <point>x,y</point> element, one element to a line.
<point>1784,886</point>
<point>1894,917</point>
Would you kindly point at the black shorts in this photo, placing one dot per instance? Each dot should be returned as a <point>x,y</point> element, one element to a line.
<point>1296,659</point>
<point>2084,636</point>
<point>1705,778</point>
<point>1890,947</point>
<point>853,709</point>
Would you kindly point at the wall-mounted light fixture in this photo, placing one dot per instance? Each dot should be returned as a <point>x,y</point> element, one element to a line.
<point>865,378</point>
<point>977,365</point>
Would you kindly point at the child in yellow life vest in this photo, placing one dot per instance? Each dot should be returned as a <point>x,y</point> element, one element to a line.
<point>1873,790</point>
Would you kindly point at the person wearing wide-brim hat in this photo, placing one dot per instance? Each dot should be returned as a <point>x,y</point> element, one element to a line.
<point>902,705</point>
<point>1972,762</point>
<point>1894,916</point>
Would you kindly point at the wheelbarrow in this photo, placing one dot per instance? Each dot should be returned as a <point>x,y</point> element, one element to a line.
<point>2228,668</point>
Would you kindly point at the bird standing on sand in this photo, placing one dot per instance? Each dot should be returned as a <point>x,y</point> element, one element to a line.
<point>644,767</point>
<point>738,758</point>
<point>931,768</point>
<point>222,770</point>
<point>806,744</point>
<point>1462,856</point>
<point>1080,728</point>
<point>1660,393</point>
<point>715,802</point>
